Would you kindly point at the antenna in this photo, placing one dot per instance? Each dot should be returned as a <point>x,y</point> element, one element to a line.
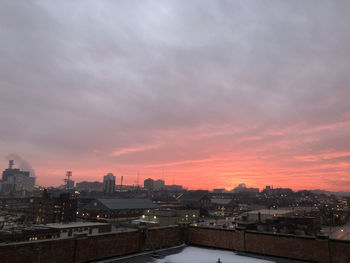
<point>68,175</point>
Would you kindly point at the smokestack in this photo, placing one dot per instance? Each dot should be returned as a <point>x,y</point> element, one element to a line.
<point>11,164</point>
<point>121,183</point>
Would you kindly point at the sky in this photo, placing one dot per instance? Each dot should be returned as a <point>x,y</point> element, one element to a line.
<point>202,93</point>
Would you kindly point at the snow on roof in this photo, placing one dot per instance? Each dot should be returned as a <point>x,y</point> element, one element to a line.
<point>205,255</point>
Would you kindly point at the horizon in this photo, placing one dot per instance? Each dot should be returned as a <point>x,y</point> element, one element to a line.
<point>184,186</point>
<point>205,94</point>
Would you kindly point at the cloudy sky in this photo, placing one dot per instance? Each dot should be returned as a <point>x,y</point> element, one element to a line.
<point>201,93</point>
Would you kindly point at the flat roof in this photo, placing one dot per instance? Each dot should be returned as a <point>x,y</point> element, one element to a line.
<point>271,211</point>
<point>184,254</point>
<point>219,201</point>
<point>75,224</point>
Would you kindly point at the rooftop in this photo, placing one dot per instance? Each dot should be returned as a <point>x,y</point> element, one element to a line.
<point>220,201</point>
<point>75,224</point>
<point>271,212</point>
<point>121,204</point>
<point>185,254</point>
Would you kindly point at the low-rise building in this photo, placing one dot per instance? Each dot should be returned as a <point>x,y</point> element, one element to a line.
<point>31,233</point>
<point>263,214</point>
<point>89,186</point>
<point>116,208</point>
<point>72,229</point>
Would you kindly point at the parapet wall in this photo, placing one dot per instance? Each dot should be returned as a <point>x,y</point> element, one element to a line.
<point>90,248</point>
<point>309,249</point>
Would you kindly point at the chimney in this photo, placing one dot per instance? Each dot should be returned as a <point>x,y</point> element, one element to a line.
<point>11,164</point>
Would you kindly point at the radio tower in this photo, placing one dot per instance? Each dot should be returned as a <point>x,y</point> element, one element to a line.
<point>68,175</point>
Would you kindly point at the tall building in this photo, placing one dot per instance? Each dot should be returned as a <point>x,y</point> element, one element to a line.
<point>15,180</point>
<point>109,183</point>
<point>148,184</point>
<point>158,184</point>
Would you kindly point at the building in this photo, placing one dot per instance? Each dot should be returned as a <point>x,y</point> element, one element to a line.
<point>43,210</point>
<point>242,188</point>
<point>173,187</point>
<point>195,200</point>
<point>158,184</point>
<point>72,229</point>
<point>89,186</point>
<point>263,214</point>
<point>65,208</point>
<point>295,225</point>
<point>148,184</point>
<point>116,208</point>
<point>219,190</point>
<point>165,217</point>
<point>223,207</point>
<point>109,183</point>
<point>14,204</point>
<point>15,180</point>
<point>32,233</point>
<point>53,231</point>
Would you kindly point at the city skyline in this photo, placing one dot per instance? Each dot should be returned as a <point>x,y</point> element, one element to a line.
<point>205,94</point>
<point>160,182</point>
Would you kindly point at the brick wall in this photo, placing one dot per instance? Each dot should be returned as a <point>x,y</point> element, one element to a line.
<point>340,251</point>
<point>88,248</point>
<point>110,245</point>
<point>217,238</point>
<point>302,248</point>
<point>71,250</point>
<point>295,247</point>
<point>164,237</point>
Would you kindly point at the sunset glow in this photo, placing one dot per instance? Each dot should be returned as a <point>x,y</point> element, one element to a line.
<point>203,95</point>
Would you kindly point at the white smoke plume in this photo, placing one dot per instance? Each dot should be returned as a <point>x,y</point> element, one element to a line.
<point>21,163</point>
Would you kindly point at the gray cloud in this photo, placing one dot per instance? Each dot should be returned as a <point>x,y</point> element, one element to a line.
<point>84,79</point>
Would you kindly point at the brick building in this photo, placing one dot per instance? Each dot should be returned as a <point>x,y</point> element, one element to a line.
<point>116,208</point>
<point>43,210</point>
